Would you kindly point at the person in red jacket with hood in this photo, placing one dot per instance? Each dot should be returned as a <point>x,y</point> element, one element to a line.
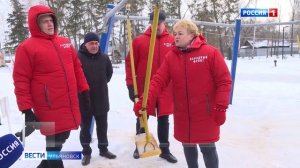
<point>201,86</point>
<point>47,77</point>
<point>164,102</point>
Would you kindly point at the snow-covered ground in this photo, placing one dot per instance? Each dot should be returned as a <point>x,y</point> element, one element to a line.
<point>261,130</point>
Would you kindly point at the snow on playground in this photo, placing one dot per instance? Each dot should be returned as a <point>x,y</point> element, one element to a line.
<point>261,131</point>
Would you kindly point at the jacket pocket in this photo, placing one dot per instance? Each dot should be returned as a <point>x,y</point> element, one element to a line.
<point>47,98</point>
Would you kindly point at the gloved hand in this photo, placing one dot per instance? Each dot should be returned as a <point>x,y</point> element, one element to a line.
<point>28,130</point>
<point>29,116</point>
<point>30,124</point>
<point>86,101</point>
<point>131,93</point>
<point>220,115</point>
<point>138,107</point>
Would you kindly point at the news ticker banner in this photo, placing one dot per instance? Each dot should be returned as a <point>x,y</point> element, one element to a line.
<point>259,12</point>
<point>51,155</point>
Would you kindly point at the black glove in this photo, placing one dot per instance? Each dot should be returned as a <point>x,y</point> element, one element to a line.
<point>30,124</point>
<point>131,92</point>
<point>86,101</point>
<point>29,117</point>
<point>28,130</point>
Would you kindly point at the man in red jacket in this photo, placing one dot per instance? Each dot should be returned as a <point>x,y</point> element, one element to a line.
<point>47,77</point>
<point>164,103</point>
<point>201,87</point>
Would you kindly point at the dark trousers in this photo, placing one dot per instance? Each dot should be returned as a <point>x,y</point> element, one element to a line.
<point>101,129</point>
<point>162,132</point>
<point>54,143</point>
<point>208,151</point>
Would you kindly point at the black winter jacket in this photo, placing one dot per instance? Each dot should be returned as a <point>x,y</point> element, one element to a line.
<point>98,72</point>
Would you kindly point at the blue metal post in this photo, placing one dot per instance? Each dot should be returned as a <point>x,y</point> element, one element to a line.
<point>104,43</point>
<point>236,43</point>
<point>105,36</point>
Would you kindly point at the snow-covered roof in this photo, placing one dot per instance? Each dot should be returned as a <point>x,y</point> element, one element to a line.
<point>267,43</point>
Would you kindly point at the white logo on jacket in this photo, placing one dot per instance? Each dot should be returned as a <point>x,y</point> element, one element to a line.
<point>168,44</point>
<point>198,59</point>
<point>66,45</point>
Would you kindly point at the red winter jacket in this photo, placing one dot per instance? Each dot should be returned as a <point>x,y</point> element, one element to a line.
<point>201,81</point>
<point>47,77</point>
<point>141,45</point>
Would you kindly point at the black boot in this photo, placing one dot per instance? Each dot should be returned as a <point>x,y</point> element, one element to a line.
<point>86,160</point>
<point>107,154</point>
<point>169,157</point>
<point>136,154</point>
<point>43,164</point>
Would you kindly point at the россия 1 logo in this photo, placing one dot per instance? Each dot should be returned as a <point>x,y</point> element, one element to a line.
<point>259,12</point>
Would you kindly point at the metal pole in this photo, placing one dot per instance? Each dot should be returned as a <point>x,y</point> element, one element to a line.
<point>124,39</point>
<point>283,32</point>
<point>113,11</point>
<point>254,30</point>
<point>292,36</point>
<point>105,36</point>
<point>236,43</point>
<point>278,39</point>
<point>272,45</point>
<point>268,48</point>
<point>282,42</point>
<point>298,42</point>
<point>253,45</point>
<point>169,20</point>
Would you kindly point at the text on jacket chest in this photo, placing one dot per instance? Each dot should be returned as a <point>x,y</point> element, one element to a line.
<point>198,59</point>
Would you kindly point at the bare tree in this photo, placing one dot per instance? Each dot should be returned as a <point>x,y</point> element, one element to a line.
<point>220,11</point>
<point>295,11</point>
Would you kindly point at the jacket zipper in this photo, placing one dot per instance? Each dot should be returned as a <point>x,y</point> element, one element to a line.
<point>65,75</point>
<point>187,95</point>
<point>207,105</point>
<point>47,96</point>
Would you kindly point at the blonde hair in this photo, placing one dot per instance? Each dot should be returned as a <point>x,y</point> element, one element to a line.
<point>188,25</point>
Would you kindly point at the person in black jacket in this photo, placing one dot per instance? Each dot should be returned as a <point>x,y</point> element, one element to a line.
<point>98,71</point>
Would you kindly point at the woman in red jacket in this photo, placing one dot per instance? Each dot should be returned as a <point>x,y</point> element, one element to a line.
<point>47,77</point>
<point>201,86</point>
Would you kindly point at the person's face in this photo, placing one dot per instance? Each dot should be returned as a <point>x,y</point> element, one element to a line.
<point>160,28</point>
<point>92,47</point>
<point>182,37</point>
<point>47,25</point>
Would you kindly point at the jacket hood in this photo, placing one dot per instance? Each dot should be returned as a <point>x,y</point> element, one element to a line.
<point>196,43</point>
<point>149,30</point>
<point>33,14</point>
